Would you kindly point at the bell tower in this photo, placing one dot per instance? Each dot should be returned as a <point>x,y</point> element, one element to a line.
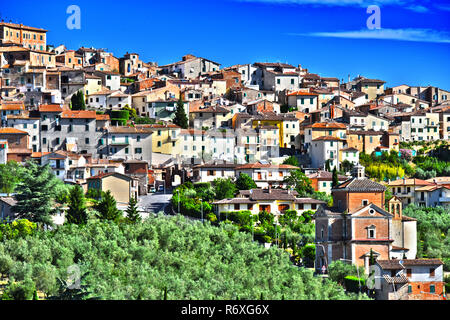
<point>395,208</point>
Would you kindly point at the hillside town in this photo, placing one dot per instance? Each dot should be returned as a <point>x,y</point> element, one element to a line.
<point>348,155</point>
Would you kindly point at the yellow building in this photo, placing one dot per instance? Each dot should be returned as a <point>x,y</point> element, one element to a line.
<point>371,88</point>
<point>288,126</point>
<point>120,186</point>
<point>93,85</point>
<point>165,138</point>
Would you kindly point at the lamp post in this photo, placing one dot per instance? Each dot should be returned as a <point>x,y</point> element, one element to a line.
<point>324,255</point>
<point>201,205</point>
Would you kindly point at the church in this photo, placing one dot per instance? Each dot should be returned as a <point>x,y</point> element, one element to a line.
<point>358,227</point>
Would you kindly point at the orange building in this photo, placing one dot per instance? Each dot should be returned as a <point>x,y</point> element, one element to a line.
<point>18,34</point>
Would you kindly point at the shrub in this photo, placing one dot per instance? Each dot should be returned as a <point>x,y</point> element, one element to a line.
<point>354,284</point>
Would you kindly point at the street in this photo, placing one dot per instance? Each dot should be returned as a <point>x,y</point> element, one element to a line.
<point>154,203</point>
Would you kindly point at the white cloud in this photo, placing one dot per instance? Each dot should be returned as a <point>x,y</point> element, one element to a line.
<point>416,35</point>
<point>341,3</point>
<point>417,8</point>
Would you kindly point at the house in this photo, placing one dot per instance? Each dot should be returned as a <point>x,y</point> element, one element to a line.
<point>130,64</point>
<point>138,170</point>
<point>165,138</point>
<point>326,148</point>
<point>70,59</point>
<point>322,129</point>
<point>349,154</point>
<point>405,189</point>
<point>210,172</point>
<point>433,195</point>
<point>275,201</point>
<point>372,88</point>
<point>28,123</point>
<point>266,174</point>
<point>365,141</point>
<point>122,187</point>
<point>190,67</point>
<point>322,181</point>
<point>420,126</point>
<point>24,36</point>
<point>357,227</point>
<point>303,101</point>
<point>276,77</point>
<point>210,117</point>
<point>195,144</point>
<point>126,143</point>
<point>18,144</point>
<point>409,279</point>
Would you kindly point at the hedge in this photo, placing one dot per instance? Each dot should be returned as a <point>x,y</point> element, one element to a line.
<point>120,114</point>
<point>352,283</point>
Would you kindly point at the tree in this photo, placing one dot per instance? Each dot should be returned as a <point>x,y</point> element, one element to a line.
<point>224,188</point>
<point>245,182</point>
<point>107,207</point>
<point>78,102</point>
<point>10,175</point>
<point>335,178</point>
<point>300,182</point>
<point>132,210</point>
<point>180,115</point>
<point>35,194</point>
<point>327,166</point>
<point>292,160</point>
<point>77,212</point>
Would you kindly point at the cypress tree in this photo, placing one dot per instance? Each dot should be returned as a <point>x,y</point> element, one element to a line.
<point>180,115</point>
<point>77,212</point>
<point>335,178</point>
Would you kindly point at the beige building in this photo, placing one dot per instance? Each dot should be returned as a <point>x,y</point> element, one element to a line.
<point>372,88</point>
<point>121,186</point>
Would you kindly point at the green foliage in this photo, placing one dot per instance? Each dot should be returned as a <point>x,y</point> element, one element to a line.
<point>387,166</point>
<point>22,290</point>
<point>132,210</point>
<point>347,166</point>
<point>335,181</point>
<point>107,207</point>
<point>245,182</point>
<point>433,232</point>
<point>94,194</point>
<point>35,194</point>
<point>338,270</point>
<point>430,167</point>
<point>144,120</point>
<point>77,101</point>
<point>354,284</point>
<point>189,259</point>
<point>120,114</point>
<point>180,115</point>
<point>224,188</point>
<point>131,112</point>
<point>10,176</point>
<point>77,212</point>
<point>300,182</point>
<point>17,229</point>
<point>308,253</point>
<point>292,160</point>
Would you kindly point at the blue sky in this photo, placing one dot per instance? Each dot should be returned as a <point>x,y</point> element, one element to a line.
<point>329,37</point>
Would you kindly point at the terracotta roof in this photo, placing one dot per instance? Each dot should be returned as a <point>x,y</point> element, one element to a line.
<point>371,81</point>
<point>12,131</point>
<point>276,64</point>
<point>102,117</point>
<point>39,154</point>
<point>349,150</point>
<point>20,26</point>
<point>212,109</point>
<point>78,114</point>
<point>12,105</point>
<point>50,108</point>
<point>408,182</point>
<point>327,125</point>
<point>328,138</point>
<point>302,93</point>
<point>271,166</point>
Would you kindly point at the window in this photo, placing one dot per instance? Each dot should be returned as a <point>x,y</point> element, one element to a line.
<point>44,140</point>
<point>159,144</point>
<point>371,232</point>
<point>292,81</point>
<point>126,150</point>
<point>365,202</point>
<point>409,288</point>
<point>138,150</point>
<point>86,127</point>
<point>278,81</point>
<point>86,140</point>
<point>432,288</point>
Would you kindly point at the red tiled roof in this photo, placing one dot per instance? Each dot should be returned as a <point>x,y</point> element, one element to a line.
<point>12,131</point>
<point>78,114</point>
<point>302,93</point>
<point>260,165</point>
<point>50,108</point>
